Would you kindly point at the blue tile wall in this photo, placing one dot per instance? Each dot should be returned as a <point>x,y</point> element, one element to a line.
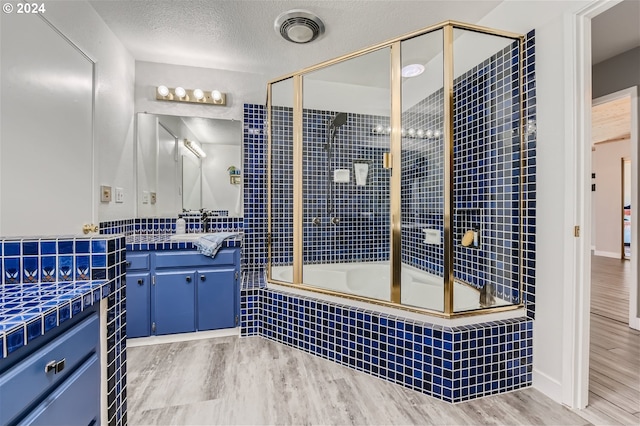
<point>61,277</point>
<point>254,247</point>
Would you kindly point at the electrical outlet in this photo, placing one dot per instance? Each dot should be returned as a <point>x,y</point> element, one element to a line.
<point>153,198</point>
<point>119,195</point>
<point>105,194</point>
<point>145,197</point>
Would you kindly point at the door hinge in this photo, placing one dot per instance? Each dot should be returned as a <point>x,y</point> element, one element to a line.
<point>153,280</point>
<point>236,320</point>
<point>153,327</point>
<point>576,231</point>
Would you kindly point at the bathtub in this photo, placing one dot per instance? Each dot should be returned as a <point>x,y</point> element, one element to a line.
<point>371,279</point>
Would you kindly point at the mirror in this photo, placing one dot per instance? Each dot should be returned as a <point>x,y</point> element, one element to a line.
<point>188,163</point>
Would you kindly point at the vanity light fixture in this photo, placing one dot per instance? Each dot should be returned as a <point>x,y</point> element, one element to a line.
<point>194,96</point>
<point>412,133</point>
<point>195,148</point>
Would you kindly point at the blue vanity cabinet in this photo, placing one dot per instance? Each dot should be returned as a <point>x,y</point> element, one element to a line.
<point>174,302</point>
<point>138,294</point>
<point>58,381</point>
<point>181,291</point>
<point>217,288</point>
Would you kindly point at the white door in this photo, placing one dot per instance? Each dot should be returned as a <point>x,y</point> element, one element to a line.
<point>46,145</point>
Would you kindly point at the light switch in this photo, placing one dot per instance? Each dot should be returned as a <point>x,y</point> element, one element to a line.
<point>153,198</point>
<point>145,197</point>
<point>119,195</point>
<point>105,194</point>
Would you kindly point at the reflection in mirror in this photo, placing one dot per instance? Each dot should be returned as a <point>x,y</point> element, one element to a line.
<point>180,179</point>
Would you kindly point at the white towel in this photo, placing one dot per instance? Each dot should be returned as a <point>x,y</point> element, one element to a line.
<point>209,245</point>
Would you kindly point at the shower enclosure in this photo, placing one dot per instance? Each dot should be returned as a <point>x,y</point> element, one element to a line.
<point>394,173</point>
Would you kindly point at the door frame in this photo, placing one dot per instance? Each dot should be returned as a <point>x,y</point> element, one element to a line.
<point>577,299</point>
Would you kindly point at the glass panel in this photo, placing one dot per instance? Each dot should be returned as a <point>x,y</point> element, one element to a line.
<point>422,172</point>
<point>346,189</point>
<point>282,181</point>
<point>486,170</point>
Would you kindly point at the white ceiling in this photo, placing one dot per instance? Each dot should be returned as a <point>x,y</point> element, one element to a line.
<point>240,35</point>
<point>615,31</point>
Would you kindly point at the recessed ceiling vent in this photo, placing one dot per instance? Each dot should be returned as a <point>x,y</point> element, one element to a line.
<point>299,26</point>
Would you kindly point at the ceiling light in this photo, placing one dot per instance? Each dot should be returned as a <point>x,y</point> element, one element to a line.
<point>299,26</point>
<point>195,148</point>
<point>412,70</point>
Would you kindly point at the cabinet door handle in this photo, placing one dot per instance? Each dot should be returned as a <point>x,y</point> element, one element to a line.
<point>188,279</point>
<point>140,281</point>
<point>55,366</point>
<point>203,278</point>
<point>128,264</point>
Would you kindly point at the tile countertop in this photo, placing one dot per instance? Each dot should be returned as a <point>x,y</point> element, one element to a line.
<point>27,311</point>
<point>139,242</point>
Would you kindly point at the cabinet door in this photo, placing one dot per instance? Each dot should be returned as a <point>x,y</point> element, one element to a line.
<point>138,304</point>
<point>216,299</point>
<point>174,302</point>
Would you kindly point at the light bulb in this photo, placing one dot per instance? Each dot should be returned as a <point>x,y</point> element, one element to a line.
<point>379,129</point>
<point>412,132</point>
<point>437,133</point>
<point>429,133</point>
<point>404,132</point>
<point>198,94</point>
<point>388,130</point>
<point>420,133</point>
<point>216,95</point>
<point>180,92</point>
<point>163,91</point>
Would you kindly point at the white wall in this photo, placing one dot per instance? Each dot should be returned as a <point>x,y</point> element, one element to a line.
<point>114,84</point>
<point>607,199</point>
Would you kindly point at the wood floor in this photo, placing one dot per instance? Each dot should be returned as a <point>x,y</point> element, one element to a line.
<point>614,373</point>
<point>254,381</point>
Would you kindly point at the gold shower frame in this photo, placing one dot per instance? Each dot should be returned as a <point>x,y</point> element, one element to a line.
<point>395,184</point>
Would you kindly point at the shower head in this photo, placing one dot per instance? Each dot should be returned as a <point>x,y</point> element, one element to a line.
<point>339,120</point>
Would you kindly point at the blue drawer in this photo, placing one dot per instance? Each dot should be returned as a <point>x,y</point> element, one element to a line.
<point>137,261</point>
<point>186,259</point>
<point>24,383</point>
<point>74,402</point>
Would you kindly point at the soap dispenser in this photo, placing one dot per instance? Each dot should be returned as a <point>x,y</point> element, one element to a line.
<point>181,225</point>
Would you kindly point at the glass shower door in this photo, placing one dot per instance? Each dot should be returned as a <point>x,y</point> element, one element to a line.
<point>346,217</point>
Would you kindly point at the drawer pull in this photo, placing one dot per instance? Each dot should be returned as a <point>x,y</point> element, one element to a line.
<point>128,264</point>
<point>55,366</point>
<point>140,281</point>
<point>203,278</point>
<point>188,279</point>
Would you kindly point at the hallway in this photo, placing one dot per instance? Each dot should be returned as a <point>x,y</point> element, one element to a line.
<point>614,379</point>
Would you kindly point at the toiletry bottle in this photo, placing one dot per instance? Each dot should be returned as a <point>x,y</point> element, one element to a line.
<point>181,225</point>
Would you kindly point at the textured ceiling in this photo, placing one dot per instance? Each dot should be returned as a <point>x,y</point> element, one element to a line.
<point>239,35</point>
<point>616,30</point>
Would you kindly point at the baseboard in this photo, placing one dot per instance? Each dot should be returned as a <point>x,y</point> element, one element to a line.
<point>547,385</point>
<point>611,254</point>
<point>634,323</point>
<point>182,337</point>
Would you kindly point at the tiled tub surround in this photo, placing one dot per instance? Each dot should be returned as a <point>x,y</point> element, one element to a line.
<point>450,363</point>
<point>48,281</point>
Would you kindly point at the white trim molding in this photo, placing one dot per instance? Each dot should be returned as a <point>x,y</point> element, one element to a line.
<point>576,321</point>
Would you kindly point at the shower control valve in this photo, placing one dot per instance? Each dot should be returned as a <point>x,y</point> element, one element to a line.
<point>316,221</point>
<point>335,220</point>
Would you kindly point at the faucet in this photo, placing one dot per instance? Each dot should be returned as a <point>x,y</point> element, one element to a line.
<point>204,219</point>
